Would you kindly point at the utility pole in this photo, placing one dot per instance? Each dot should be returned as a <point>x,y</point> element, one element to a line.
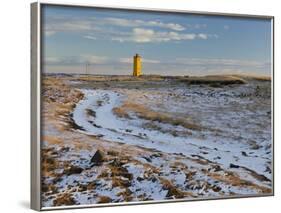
<point>87,70</point>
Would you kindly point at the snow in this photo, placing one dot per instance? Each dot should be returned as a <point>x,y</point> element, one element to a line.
<point>223,149</point>
<point>152,189</point>
<point>236,129</point>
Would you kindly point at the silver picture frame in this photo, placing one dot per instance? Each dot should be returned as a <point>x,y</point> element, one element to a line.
<point>36,66</point>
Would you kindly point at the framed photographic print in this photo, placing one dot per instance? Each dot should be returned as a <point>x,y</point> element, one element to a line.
<point>137,105</point>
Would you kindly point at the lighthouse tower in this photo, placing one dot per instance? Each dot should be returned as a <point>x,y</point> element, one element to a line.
<point>137,65</point>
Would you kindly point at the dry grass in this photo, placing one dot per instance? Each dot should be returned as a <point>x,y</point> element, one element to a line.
<point>147,114</point>
<point>173,192</point>
<point>50,189</point>
<point>118,78</point>
<point>126,194</point>
<point>58,110</point>
<point>104,199</point>
<point>48,163</point>
<point>120,176</point>
<point>223,78</point>
<point>235,180</point>
<point>52,140</point>
<point>58,97</point>
<point>64,199</point>
<point>119,182</point>
<point>179,165</point>
<point>253,77</point>
<point>214,80</point>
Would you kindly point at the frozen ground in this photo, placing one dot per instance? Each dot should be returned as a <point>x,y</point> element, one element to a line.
<point>232,125</point>
<point>224,150</point>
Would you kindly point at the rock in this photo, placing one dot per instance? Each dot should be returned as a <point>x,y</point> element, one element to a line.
<point>216,188</point>
<point>156,155</point>
<point>91,112</point>
<point>268,169</point>
<point>217,168</point>
<point>254,145</point>
<point>233,166</point>
<point>153,179</point>
<point>97,126</point>
<point>55,153</point>
<point>244,153</point>
<point>140,179</point>
<point>57,179</point>
<point>98,158</point>
<point>73,170</point>
<point>147,159</point>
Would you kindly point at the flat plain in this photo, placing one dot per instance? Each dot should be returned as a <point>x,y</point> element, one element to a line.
<point>112,139</point>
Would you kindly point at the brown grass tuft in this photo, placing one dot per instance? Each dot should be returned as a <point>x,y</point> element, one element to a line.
<point>64,199</point>
<point>126,194</point>
<point>214,80</point>
<point>147,114</point>
<point>104,199</point>
<point>173,191</point>
<point>235,180</point>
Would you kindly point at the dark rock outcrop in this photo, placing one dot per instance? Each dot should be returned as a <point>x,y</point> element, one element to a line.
<point>73,170</point>
<point>233,166</point>
<point>98,158</point>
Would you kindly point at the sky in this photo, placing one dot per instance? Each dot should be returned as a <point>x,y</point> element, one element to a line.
<point>169,43</point>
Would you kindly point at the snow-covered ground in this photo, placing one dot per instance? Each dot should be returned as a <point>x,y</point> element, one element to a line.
<point>231,125</point>
<point>223,148</point>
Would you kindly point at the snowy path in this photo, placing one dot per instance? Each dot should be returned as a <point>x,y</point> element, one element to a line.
<point>94,115</point>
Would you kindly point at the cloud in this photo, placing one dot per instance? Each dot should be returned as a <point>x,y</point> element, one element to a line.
<point>144,60</point>
<point>202,35</point>
<point>220,62</point>
<point>200,26</point>
<point>142,35</point>
<point>123,30</point>
<point>200,62</point>
<point>145,35</point>
<point>140,23</point>
<point>120,29</point>
<point>76,60</point>
<point>59,24</point>
<point>226,27</point>
<point>90,37</point>
<point>72,24</point>
<point>93,59</point>
<point>49,32</point>
<point>151,61</point>
<point>178,66</point>
<point>51,60</point>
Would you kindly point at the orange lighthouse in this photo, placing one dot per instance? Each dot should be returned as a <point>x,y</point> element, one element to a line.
<point>137,65</point>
